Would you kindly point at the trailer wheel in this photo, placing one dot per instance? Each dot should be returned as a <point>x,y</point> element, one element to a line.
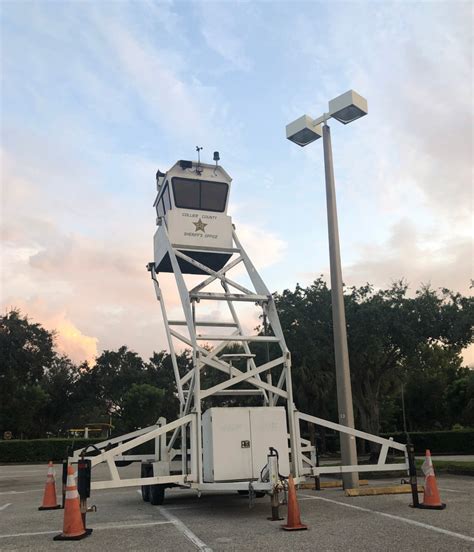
<point>157,494</point>
<point>146,493</point>
<point>258,494</point>
<point>146,471</point>
<point>123,463</point>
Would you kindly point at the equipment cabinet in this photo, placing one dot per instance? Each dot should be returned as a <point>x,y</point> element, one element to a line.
<point>236,442</point>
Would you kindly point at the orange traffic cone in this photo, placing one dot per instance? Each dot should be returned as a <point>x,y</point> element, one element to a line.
<point>49,497</point>
<point>431,498</point>
<point>73,526</point>
<point>294,521</point>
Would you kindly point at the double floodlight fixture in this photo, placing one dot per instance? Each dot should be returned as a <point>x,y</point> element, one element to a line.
<point>345,108</point>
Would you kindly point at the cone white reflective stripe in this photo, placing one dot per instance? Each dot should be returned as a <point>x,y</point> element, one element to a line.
<point>427,466</point>
<point>71,487</point>
<point>71,481</point>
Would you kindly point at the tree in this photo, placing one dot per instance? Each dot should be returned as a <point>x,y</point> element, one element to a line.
<point>114,374</point>
<point>142,405</point>
<point>459,396</point>
<point>59,382</point>
<point>305,315</point>
<point>390,337</point>
<point>26,407</point>
<point>159,373</point>
<point>393,339</point>
<point>26,351</point>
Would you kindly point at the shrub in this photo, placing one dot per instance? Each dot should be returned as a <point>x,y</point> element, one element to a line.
<point>439,442</point>
<point>39,450</point>
<point>459,441</point>
<point>42,450</point>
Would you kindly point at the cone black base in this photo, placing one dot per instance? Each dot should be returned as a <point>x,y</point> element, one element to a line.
<point>428,507</point>
<point>297,528</point>
<point>62,537</point>
<point>58,507</point>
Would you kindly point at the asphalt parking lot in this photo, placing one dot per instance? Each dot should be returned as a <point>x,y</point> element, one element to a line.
<point>225,522</point>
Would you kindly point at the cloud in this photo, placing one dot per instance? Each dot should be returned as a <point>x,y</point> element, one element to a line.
<point>69,339</point>
<point>162,81</point>
<point>224,33</point>
<point>420,258</point>
<point>468,356</point>
<point>77,221</point>
<point>79,269</point>
<point>89,282</point>
<point>404,172</point>
<point>96,99</point>
<point>264,247</point>
<point>415,67</point>
<point>416,256</point>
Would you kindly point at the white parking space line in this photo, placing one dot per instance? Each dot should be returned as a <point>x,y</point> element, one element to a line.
<point>452,490</point>
<point>398,518</point>
<point>96,528</point>
<point>20,472</point>
<point>21,492</point>
<point>129,525</point>
<point>5,506</point>
<point>29,534</point>
<point>8,477</point>
<point>17,475</point>
<point>189,507</point>
<point>184,529</point>
<point>181,527</point>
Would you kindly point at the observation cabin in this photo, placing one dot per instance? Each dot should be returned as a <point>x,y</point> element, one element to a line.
<point>191,209</point>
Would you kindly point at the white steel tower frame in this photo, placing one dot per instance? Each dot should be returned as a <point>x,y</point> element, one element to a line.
<point>189,388</point>
<point>177,458</point>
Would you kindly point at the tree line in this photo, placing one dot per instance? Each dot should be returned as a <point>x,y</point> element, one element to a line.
<point>398,344</point>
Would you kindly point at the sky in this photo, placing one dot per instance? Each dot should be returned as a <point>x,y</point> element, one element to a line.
<point>96,96</point>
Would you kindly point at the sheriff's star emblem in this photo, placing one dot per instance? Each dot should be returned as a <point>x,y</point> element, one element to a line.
<point>200,226</point>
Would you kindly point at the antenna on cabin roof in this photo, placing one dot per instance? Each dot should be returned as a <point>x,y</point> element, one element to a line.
<point>198,167</point>
<point>159,178</point>
<point>198,149</point>
<point>216,159</point>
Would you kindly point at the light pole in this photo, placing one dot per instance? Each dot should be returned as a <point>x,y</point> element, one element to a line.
<point>345,108</point>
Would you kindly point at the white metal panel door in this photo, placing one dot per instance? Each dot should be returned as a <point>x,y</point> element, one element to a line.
<point>269,429</point>
<point>232,453</point>
<point>207,447</point>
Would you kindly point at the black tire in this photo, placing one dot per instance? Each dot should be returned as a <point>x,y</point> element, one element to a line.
<point>157,494</point>
<point>258,494</point>
<point>146,471</point>
<point>146,493</point>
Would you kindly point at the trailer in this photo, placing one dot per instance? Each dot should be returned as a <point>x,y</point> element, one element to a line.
<point>251,447</point>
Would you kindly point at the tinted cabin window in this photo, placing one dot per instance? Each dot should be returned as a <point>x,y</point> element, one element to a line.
<point>166,198</point>
<point>200,194</point>
<point>186,193</point>
<point>164,203</point>
<point>159,209</point>
<point>213,196</point>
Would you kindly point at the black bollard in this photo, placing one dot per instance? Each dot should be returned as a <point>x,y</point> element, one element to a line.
<point>64,480</point>
<point>413,478</point>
